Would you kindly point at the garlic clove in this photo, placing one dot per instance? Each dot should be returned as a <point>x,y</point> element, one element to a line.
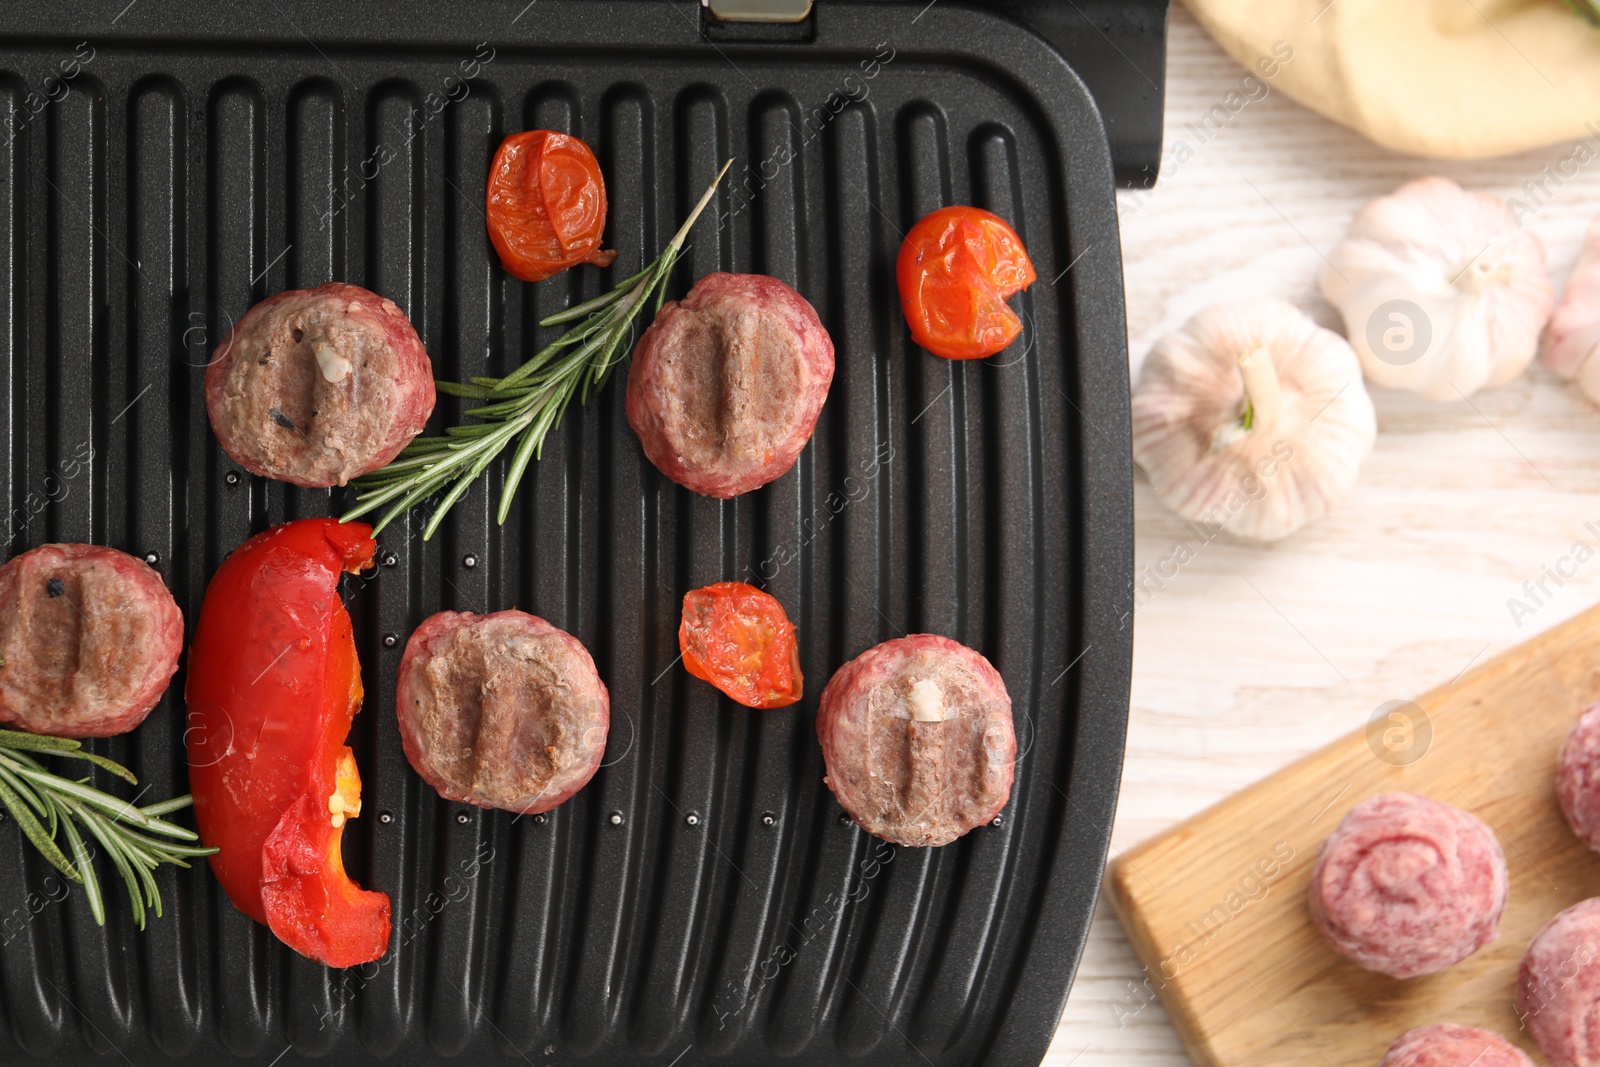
<point>926,701</point>
<point>1441,292</point>
<point>1253,419</point>
<point>331,362</point>
<point>1572,339</point>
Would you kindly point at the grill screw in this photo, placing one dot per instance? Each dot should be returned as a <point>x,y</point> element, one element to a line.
<point>469,561</point>
<point>385,818</point>
<point>768,819</point>
<point>693,818</point>
<point>390,640</point>
<point>152,558</point>
<point>616,818</point>
<point>232,478</point>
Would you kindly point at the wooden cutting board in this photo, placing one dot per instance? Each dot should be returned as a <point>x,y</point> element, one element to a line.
<point>1216,907</point>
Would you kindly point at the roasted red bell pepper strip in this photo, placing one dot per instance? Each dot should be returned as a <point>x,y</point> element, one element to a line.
<point>272,688</point>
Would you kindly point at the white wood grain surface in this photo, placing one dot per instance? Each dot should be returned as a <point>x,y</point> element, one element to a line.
<point>1253,656</point>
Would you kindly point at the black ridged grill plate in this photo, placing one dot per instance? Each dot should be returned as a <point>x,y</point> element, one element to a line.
<point>165,167</point>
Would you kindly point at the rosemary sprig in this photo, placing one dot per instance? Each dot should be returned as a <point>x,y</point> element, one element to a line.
<point>44,804</point>
<point>525,405</point>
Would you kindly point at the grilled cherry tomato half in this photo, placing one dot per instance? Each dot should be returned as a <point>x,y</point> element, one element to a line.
<point>546,205</point>
<point>740,640</point>
<point>273,685</point>
<point>957,268</point>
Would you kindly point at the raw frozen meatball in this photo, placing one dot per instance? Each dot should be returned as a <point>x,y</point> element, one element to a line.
<point>1447,1045</point>
<point>1407,885</point>
<point>1578,777</point>
<point>727,383</point>
<point>1558,986</point>
<point>89,640</point>
<point>319,386</point>
<point>501,710</point>
<point>918,741</point>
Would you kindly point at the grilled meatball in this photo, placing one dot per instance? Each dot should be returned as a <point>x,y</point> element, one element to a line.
<point>501,710</point>
<point>726,385</point>
<point>1409,885</point>
<point>1446,1045</point>
<point>918,741</point>
<point>319,386</point>
<point>1558,986</point>
<point>89,638</point>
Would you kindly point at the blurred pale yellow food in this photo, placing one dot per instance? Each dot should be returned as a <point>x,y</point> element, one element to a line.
<point>1448,79</point>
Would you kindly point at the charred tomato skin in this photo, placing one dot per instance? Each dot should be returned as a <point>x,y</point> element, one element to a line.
<point>956,269</point>
<point>273,685</point>
<point>740,640</point>
<point>546,205</point>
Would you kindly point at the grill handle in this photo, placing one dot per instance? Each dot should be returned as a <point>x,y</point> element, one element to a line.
<point>1118,48</point>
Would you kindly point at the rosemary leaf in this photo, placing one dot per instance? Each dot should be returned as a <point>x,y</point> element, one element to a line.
<point>113,848</point>
<point>422,446</point>
<point>519,463</point>
<point>669,261</point>
<point>375,499</point>
<point>463,483</point>
<point>495,411</point>
<point>136,840</point>
<point>169,829</point>
<point>478,430</point>
<point>37,742</point>
<point>18,741</point>
<point>34,831</point>
<point>8,769</point>
<point>105,764</point>
<point>88,794</point>
<point>529,403</point>
<point>167,807</point>
<point>476,391</point>
<point>416,496</point>
<point>578,311</point>
<point>573,358</point>
<point>85,864</point>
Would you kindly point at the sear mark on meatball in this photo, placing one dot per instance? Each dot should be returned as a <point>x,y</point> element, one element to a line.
<point>918,741</point>
<point>281,419</point>
<point>926,769</point>
<point>501,709</point>
<point>741,379</point>
<point>54,646</point>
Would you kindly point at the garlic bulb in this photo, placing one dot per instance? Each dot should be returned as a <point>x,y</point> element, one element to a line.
<point>1252,418</point>
<point>1572,341</point>
<point>1441,293</point>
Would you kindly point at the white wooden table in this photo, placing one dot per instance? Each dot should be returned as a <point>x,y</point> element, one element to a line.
<point>1402,588</point>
